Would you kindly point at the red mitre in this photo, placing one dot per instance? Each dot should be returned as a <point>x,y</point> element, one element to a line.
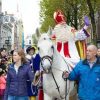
<point>59,17</point>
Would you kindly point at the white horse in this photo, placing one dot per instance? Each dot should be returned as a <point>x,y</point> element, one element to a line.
<point>53,64</point>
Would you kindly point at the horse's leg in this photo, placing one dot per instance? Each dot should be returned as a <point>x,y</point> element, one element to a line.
<point>47,97</point>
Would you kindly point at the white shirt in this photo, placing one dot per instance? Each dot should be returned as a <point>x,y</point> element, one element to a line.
<point>16,68</point>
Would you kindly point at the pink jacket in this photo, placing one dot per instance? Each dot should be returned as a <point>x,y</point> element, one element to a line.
<point>2,82</point>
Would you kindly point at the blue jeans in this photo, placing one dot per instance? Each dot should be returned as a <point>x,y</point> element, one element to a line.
<point>17,97</point>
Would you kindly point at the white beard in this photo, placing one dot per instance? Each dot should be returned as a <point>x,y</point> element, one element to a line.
<point>63,33</point>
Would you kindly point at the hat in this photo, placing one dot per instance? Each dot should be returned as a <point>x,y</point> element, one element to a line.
<point>3,69</point>
<point>59,16</point>
<point>11,52</point>
<point>29,48</point>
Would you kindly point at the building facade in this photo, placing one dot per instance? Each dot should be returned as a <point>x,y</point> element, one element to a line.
<point>20,32</point>
<point>28,41</point>
<point>5,30</point>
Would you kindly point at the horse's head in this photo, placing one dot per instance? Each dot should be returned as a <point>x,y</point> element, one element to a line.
<point>46,51</point>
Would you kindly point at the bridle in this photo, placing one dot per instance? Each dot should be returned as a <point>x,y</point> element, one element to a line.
<point>50,59</point>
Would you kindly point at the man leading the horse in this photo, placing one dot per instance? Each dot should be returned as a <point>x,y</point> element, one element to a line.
<point>87,72</point>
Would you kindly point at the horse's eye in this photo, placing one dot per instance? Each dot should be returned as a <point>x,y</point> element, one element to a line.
<point>44,38</point>
<point>52,47</point>
<point>38,48</point>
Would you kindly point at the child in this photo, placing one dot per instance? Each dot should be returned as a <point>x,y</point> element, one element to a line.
<point>2,85</point>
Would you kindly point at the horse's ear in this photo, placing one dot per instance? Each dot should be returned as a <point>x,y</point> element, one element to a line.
<point>49,31</point>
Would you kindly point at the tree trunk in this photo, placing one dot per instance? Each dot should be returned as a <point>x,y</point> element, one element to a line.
<point>75,16</point>
<point>92,20</point>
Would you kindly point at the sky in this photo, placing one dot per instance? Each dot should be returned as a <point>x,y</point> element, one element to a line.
<point>28,10</point>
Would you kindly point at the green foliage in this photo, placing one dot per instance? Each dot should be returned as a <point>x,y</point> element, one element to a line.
<point>74,11</point>
<point>48,7</point>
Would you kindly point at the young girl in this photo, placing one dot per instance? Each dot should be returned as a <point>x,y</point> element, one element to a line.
<point>2,85</point>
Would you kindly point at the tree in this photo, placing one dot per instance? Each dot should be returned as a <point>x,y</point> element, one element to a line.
<point>74,11</point>
<point>36,36</point>
<point>46,13</point>
<point>92,16</point>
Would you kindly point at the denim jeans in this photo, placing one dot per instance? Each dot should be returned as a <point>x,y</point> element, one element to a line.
<point>17,97</point>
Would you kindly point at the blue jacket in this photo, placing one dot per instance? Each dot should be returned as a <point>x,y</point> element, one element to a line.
<point>89,80</point>
<point>36,62</point>
<point>17,83</point>
<point>33,90</point>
